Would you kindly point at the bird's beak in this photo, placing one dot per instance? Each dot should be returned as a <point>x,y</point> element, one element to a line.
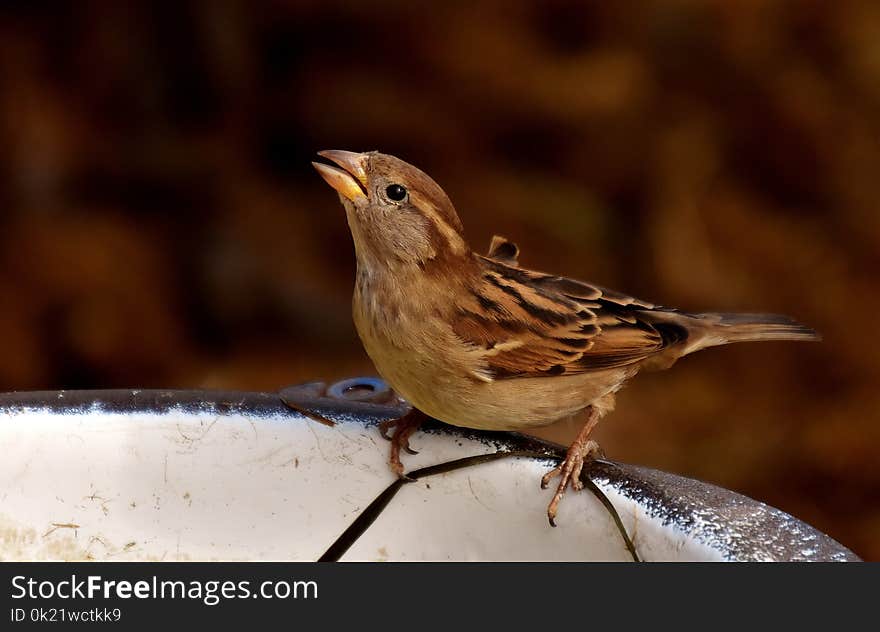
<point>351,180</point>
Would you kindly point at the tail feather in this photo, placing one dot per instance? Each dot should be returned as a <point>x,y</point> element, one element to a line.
<point>722,329</point>
<point>749,327</point>
<point>699,331</point>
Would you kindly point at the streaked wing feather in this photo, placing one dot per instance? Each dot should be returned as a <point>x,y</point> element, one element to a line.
<point>527,323</point>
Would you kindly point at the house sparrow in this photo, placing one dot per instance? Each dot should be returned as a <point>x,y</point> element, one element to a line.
<point>477,341</point>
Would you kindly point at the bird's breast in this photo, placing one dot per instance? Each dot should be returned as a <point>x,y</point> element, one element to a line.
<point>399,326</point>
<point>409,339</point>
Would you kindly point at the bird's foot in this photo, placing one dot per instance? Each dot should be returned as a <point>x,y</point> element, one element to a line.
<point>569,472</point>
<point>403,428</point>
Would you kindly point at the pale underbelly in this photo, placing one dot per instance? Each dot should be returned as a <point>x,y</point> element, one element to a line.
<point>506,404</point>
<point>435,379</point>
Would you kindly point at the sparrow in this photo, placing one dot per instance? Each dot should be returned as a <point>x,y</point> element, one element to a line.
<point>479,341</point>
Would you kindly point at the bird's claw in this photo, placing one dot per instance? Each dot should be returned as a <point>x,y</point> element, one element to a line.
<point>569,472</point>
<point>403,428</point>
<point>383,428</point>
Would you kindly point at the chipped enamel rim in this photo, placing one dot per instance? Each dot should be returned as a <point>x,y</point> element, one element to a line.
<point>202,475</point>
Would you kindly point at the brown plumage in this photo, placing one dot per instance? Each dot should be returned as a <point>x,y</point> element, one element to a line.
<point>479,341</point>
<point>567,326</point>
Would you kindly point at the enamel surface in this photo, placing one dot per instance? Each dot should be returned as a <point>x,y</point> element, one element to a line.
<point>220,481</point>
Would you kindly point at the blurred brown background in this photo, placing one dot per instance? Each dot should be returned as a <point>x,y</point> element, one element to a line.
<point>160,224</point>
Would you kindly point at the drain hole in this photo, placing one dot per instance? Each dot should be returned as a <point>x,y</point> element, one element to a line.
<point>360,389</point>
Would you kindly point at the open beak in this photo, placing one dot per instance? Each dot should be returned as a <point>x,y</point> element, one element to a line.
<point>351,180</point>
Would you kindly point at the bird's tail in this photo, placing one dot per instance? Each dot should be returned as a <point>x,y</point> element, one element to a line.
<point>699,331</point>
<point>753,327</point>
<point>713,329</point>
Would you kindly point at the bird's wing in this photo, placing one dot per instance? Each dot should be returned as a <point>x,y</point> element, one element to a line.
<point>526,323</point>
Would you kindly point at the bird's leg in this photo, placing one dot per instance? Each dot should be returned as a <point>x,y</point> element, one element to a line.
<point>569,470</point>
<point>404,427</point>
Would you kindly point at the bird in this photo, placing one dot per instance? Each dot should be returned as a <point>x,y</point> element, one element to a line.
<point>478,341</point>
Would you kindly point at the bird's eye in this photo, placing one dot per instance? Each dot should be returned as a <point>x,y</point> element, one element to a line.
<point>395,192</point>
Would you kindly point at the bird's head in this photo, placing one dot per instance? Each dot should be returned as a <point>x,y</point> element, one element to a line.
<point>398,216</point>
